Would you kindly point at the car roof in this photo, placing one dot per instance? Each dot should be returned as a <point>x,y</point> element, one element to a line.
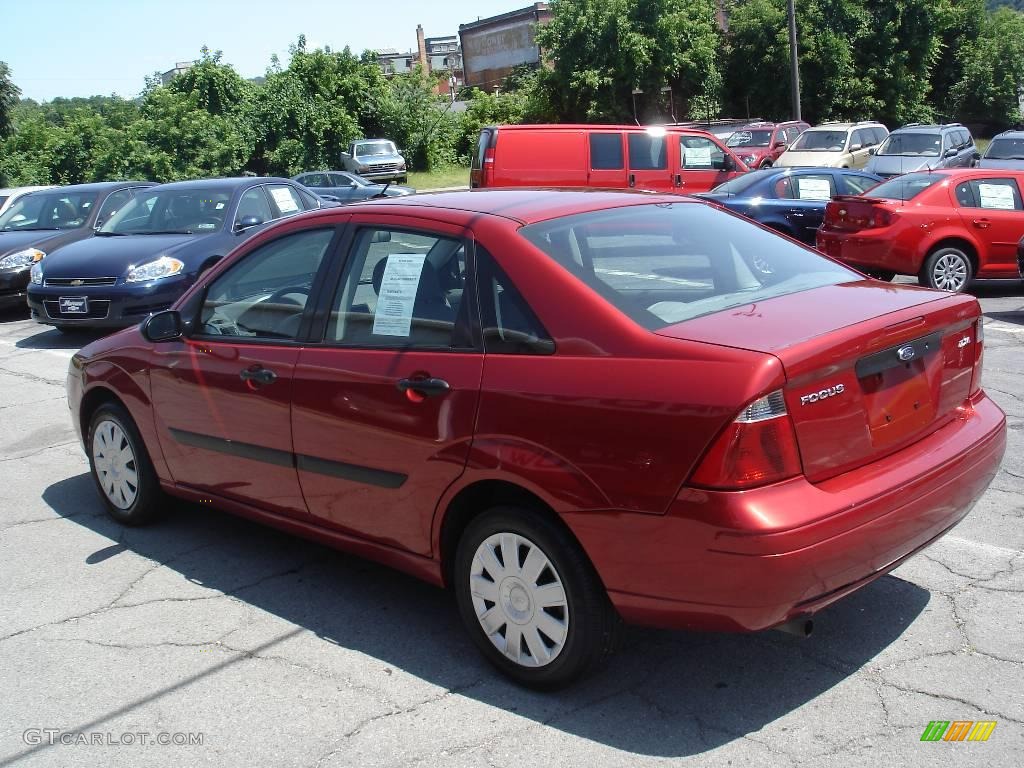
<point>929,128</point>
<point>232,182</point>
<point>102,186</point>
<point>1013,133</point>
<point>521,204</point>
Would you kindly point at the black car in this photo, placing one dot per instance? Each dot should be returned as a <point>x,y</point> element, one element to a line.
<point>789,200</point>
<point>41,222</point>
<point>145,256</point>
<point>347,187</point>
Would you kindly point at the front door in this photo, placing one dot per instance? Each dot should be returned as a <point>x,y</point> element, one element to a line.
<point>384,408</point>
<point>223,396</point>
<point>992,210</point>
<point>702,164</point>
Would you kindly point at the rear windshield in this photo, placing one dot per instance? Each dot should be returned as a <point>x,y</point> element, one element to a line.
<point>904,187</point>
<point>742,183</point>
<point>664,263</point>
<point>912,145</point>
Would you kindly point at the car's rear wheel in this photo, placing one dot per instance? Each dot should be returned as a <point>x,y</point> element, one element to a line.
<point>121,467</point>
<point>947,268</point>
<point>531,600</point>
<point>766,164</point>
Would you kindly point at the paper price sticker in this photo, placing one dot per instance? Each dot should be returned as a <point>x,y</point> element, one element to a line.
<point>397,298</point>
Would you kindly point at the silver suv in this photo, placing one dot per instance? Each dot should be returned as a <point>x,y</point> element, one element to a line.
<point>923,147</point>
<point>375,159</point>
<point>1006,151</point>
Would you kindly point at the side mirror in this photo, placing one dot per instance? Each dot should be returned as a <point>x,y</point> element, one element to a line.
<point>381,236</point>
<point>856,147</point>
<point>247,222</point>
<point>872,150</point>
<point>163,326</point>
<point>728,163</point>
<point>346,155</point>
<point>951,152</point>
<point>779,145</point>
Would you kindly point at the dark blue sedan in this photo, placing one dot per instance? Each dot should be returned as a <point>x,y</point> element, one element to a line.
<point>789,200</point>
<point>153,249</point>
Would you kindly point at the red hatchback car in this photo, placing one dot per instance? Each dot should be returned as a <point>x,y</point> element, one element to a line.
<point>572,408</point>
<point>759,145</point>
<point>946,227</point>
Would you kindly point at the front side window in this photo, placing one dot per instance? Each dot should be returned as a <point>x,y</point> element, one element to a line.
<point>264,295</point>
<point>697,153</point>
<point>171,211</point>
<point>315,180</point>
<point>253,205</point>
<point>647,152</point>
<point>48,210</point>
<point>114,202</point>
<point>401,289</point>
<point>665,263</point>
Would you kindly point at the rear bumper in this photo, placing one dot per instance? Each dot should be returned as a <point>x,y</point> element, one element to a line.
<point>751,560</point>
<point>868,252</point>
<point>109,307</point>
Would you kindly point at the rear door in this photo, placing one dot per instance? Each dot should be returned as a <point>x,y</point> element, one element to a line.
<point>861,141</point>
<point>384,404</point>
<point>803,196</point>
<point>992,209</point>
<point>607,160</point>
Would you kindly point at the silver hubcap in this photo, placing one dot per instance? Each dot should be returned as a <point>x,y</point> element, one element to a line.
<point>519,599</point>
<point>950,271</point>
<point>116,469</point>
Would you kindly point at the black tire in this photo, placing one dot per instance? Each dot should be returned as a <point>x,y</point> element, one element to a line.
<point>766,164</point>
<point>146,506</point>
<point>883,275</point>
<point>947,268</point>
<point>593,624</point>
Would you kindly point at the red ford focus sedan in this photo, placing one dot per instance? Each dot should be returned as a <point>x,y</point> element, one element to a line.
<point>945,227</point>
<point>571,408</point>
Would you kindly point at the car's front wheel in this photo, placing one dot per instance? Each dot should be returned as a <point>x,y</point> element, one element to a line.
<point>121,468</point>
<point>530,598</point>
<point>948,269</point>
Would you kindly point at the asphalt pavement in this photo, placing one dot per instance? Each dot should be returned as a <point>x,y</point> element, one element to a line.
<point>210,640</point>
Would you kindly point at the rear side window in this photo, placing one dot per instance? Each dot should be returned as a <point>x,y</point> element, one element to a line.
<point>993,194</point>
<point>509,325</point>
<point>285,199</point>
<point>904,187</point>
<point>661,264</point>
<point>646,152</point>
<point>807,186</point>
<point>606,152</point>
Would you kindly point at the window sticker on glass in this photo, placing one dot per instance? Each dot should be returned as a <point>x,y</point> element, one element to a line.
<point>698,157</point>
<point>814,189</point>
<point>996,196</point>
<point>219,206</point>
<point>285,201</point>
<point>397,299</point>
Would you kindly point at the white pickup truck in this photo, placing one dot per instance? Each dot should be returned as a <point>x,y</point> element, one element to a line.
<point>375,159</point>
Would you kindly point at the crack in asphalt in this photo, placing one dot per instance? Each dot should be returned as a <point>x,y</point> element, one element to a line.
<point>38,451</point>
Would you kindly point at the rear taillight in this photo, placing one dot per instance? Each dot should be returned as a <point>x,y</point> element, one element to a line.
<point>846,214</point>
<point>880,218</point>
<point>979,353</point>
<point>758,448</point>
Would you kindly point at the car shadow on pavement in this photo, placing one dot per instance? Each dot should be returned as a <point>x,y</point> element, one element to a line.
<point>1016,318</point>
<point>667,694</point>
<point>51,338</point>
<point>996,289</point>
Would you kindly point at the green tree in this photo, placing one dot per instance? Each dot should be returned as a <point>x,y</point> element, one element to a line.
<point>601,50</point>
<point>993,72</point>
<point>219,89</point>
<point>9,95</point>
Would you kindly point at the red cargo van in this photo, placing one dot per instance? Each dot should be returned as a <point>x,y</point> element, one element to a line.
<point>669,158</point>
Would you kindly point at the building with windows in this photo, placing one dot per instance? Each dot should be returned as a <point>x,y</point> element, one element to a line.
<point>493,47</point>
<point>179,68</point>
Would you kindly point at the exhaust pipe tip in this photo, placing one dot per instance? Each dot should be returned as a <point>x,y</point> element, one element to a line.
<point>802,626</point>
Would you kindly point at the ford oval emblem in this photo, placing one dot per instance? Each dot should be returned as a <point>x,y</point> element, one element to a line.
<point>905,353</point>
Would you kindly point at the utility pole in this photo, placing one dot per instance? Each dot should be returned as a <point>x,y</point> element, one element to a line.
<point>794,61</point>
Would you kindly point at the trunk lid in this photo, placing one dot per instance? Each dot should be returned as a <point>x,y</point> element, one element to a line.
<point>850,213</point>
<point>871,368</point>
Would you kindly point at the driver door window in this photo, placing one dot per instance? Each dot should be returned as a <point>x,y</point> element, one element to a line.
<point>264,295</point>
<point>254,205</point>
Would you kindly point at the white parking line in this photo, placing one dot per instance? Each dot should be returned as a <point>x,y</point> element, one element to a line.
<point>991,549</point>
<point>63,354</point>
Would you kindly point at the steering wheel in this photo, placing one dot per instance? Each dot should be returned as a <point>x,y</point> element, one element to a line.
<point>280,293</point>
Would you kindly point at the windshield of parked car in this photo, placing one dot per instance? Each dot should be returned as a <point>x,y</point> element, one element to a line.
<point>820,141</point>
<point>371,148</point>
<point>904,187</point>
<point>3,199</point>
<point>750,139</point>
<point>177,210</point>
<point>664,263</point>
<point>1005,149</point>
<point>48,210</point>
<point>913,144</point>
<point>741,184</point>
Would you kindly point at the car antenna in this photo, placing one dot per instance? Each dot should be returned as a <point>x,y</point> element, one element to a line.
<point>383,191</point>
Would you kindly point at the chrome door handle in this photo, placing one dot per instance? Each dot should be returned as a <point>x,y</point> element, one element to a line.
<point>257,374</point>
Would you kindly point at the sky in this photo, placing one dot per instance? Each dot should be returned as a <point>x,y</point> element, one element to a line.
<point>64,48</point>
